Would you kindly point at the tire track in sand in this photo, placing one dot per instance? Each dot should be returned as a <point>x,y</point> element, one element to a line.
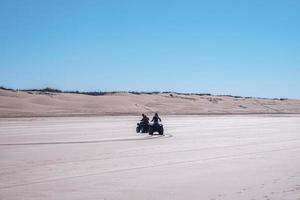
<point>122,139</point>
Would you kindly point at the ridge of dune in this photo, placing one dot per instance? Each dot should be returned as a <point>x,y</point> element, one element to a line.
<point>33,104</point>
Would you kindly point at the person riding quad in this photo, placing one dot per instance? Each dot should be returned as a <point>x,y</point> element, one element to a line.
<point>156,119</point>
<point>156,126</point>
<point>143,126</point>
<point>145,119</point>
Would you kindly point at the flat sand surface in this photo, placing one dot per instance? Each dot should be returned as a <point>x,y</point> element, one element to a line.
<point>200,157</point>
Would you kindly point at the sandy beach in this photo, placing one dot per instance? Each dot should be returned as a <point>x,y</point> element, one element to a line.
<point>78,77</point>
<point>200,157</point>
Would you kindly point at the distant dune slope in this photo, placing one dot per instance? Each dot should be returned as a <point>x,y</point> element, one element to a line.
<point>33,103</point>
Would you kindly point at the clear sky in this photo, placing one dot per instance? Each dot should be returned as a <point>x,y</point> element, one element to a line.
<point>241,47</point>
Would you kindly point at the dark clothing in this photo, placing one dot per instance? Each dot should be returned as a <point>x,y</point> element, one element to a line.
<point>155,119</point>
<point>145,119</point>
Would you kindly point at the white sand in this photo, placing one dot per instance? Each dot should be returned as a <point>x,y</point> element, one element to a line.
<point>216,157</point>
<point>16,104</point>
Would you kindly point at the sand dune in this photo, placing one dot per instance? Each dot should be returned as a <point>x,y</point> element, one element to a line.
<point>28,104</point>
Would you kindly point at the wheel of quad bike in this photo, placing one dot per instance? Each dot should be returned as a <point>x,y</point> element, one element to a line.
<point>161,132</point>
<point>150,130</point>
<point>137,129</point>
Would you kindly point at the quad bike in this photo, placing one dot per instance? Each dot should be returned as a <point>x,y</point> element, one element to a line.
<point>156,127</point>
<point>142,127</point>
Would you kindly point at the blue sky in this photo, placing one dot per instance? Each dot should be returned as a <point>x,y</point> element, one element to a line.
<point>248,48</point>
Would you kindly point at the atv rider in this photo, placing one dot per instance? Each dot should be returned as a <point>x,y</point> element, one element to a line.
<point>156,118</point>
<point>145,119</point>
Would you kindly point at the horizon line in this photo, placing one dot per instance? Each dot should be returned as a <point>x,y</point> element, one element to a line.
<point>102,92</point>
